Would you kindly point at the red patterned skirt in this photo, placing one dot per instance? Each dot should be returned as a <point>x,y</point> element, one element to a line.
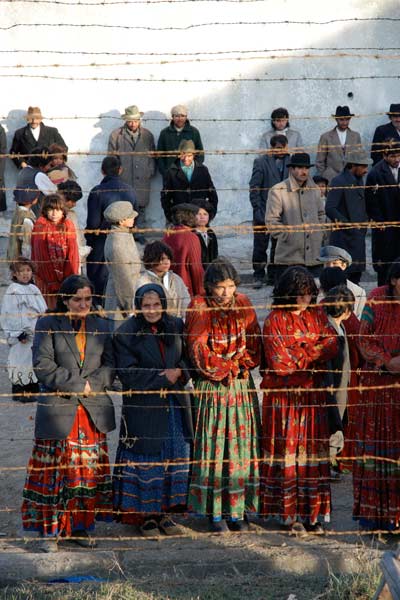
<point>68,483</point>
<point>295,473</point>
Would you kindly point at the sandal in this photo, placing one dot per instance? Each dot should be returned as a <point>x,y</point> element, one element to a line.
<point>149,528</point>
<point>169,527</point>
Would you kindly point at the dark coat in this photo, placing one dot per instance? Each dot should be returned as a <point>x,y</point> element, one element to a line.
<point>265,174</point>
<point>347,205</point>
<point>56,364</point>
<point>169,141</point>
<point>177,189</point>
<point>24,142</point>
<point>382,133</point>
<point>144,419</point>
<point>3,151</point>
<point>208,252</point>
<point>110,189</point>
<point>383,204</point>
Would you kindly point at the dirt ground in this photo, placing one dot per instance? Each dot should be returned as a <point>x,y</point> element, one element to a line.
<point>258,564</point>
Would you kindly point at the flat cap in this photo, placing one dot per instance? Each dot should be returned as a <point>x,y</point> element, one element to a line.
<point>329,253</point>
<point>119,211</point>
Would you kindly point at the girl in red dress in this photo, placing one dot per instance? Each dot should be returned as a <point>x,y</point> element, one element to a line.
<point>54,248</point>
<point>298,342</point>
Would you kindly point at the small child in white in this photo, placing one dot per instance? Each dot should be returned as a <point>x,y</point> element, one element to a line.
<point>22,305</point>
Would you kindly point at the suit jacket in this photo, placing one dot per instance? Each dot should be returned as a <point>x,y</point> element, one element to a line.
<point>331,156</point>
<point>346,204</point>
<point>382,133</point>
<point>140,362</point>
<point>56,363</point>
<point>24,142</point>
<point>293,136</point>
<point>264,176</point>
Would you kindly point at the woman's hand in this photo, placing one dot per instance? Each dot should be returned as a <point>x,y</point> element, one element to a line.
<point>87,389</point>
<point>172,374</point>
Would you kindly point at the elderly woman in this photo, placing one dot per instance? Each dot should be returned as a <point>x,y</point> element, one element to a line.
<point>151,477</point>
<point>376,475</point>
<point>223,338</point>
<point>68,483</point>
<point>298,342</point>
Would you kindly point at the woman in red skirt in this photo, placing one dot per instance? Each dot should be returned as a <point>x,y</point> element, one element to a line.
<point>298,342</point>
<point>68,483</point>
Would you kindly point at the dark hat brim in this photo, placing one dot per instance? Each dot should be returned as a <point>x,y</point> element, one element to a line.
<point>295,164</point>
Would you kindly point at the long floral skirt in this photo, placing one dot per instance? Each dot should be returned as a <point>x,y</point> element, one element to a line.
<point>153,483</point>
<point>225,476</point>
<point>376,472</point>
<point>295,472</point>
<point>68,483</point>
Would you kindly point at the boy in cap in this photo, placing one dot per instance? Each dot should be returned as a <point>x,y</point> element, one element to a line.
<point>122,258</point>
<point>333,256</point>
<point>179,129</point>
<point>19,242</point>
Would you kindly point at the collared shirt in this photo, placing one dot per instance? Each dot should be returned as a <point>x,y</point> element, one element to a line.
<point>395,172</point>
<point>342,136</point>
<point>35,132</point>
<point>187,170</point>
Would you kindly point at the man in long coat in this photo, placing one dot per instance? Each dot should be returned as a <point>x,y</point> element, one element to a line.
<point>346,204</point>
<point>335,144</point>
<point>385,132</point>
<point>134,144</point>
<point>382,195</point>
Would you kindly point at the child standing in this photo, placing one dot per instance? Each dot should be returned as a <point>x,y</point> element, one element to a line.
<point>157,259</point>
<point>21,307</point>
<point>19,242</point>
<point>72,192</point>
<point>54,248</point>
<point>207,237</point>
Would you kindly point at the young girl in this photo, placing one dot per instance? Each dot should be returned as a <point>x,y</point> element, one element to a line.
<point>59,171</point>
<point>22,305</point>
<point>157,259</point>
<point>207,237</point>
<point>54,248</point>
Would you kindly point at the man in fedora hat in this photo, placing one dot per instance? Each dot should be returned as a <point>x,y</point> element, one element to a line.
<point>294,210</point>
<point>178,130</point>
<point>35,133</point>
<point>346,204</point>
<point>382,195</point>
<point>135,147</point>
<point>335,143</point>
<point>384,132</point>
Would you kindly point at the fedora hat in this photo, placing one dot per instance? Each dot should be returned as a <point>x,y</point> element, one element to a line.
<point>33,112</point>
<point>394,109</point>
<point>342,112</point>
<point>357,157</point>
<point>132,113</point>
<point>300,159</point>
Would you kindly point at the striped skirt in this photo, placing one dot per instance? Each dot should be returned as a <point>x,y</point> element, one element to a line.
<point>148,484</point>
<point>68,483</point>
<point>295,474</point>
<point>225,478</point>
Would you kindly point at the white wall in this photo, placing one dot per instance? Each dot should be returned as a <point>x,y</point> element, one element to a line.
<point>86,111</point>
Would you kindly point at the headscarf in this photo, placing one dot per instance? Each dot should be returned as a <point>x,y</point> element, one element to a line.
<point>165,326</point>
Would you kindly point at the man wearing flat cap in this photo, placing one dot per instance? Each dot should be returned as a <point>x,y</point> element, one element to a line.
<point>34,134</point>
<point>346,204</point>
<point>384,132</point>
<point>179,129</point>
<point>335,144</point>
<point>333,256</point>
<point>134,144</point>
<point>294,210</point>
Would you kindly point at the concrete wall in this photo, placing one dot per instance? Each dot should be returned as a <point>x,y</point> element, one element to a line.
<point>86,111</point>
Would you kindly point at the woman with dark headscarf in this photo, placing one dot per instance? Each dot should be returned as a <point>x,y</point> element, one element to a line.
<point>223,338</point>
<point>69,483</point>
<point>151,477</point>
<point>298,342</point>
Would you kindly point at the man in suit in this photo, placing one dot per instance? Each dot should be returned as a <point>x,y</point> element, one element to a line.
<point>384,132</point>
<point>335,143</point>
<point>269,169</point>
<point>382,196</point>
<point>346,204</point>
<point>35,133</point>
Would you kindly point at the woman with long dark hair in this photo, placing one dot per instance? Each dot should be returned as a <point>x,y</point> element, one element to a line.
<point>298,342</point>
<point>68,483</point>
<point>223,338</point>
<point>376,473</point>
<point>151,476</point>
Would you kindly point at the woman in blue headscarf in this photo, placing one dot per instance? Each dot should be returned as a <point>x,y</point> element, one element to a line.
<point>151,476</point>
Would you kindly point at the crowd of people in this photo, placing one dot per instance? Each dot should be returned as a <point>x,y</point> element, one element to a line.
<point>168,322</point>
